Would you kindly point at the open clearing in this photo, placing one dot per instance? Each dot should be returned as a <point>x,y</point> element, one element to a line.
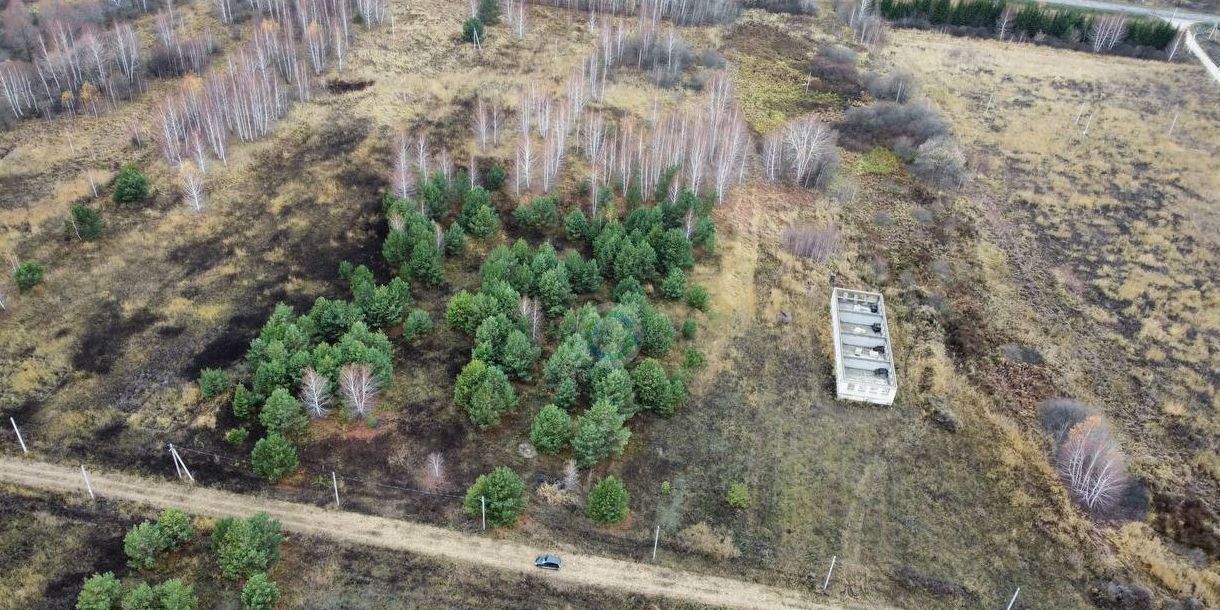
<point>1072,264</point>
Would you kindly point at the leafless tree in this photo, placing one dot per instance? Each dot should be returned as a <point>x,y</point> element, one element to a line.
<point>1107,32</point>
<point>359,387</point>
<point>315,392</point>
<point>432,475</point>
<point>190,179</point>
<point>813,243</point>
<point>1092,465</point>
<point>1003,25</point>
<point>571,478</point>
<point>404,176</point>
<point>531,313</point>
<point>3,299</point>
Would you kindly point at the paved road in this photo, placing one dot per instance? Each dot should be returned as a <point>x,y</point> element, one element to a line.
<point>584,570</point>
<point>1180,19</point>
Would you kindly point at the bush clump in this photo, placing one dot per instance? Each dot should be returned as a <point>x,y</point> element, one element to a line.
<point>473,30</point>
<point>85,223</point>
<point>739,496</point>
<point>504,493</point>
<point>28,275</point>
<point>274,457</point>
<point>212,383</point>
<point>130,186</point>
<point>552,430</point>
<point>607,501</point>
<point>100,592</point>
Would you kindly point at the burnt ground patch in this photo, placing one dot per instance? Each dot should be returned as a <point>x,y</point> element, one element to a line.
<point>230,345</point>
<point>108,331</point>
<point>347,86</point>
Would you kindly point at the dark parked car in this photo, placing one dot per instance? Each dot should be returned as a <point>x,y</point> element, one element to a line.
<point>548,562</point>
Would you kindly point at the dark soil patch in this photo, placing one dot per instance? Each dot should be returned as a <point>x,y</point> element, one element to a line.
<point>347,86</point>
<point>910,578</point>
<point>107,334</point>
<point>230,346</point>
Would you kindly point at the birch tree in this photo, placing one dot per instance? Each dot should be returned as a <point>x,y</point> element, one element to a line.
<point>315,392</point>
<point>359,388</point>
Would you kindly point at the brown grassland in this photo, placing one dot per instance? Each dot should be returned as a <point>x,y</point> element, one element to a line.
<point>1067,266</point>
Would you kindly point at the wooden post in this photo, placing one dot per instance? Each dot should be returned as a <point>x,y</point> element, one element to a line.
<point>19,439</point>
<point>1172,125</point>
<point>177,468</point>
<point>1014,598</point>
<point>178,463</point>
<point>334,481</point>
<point>826,583</point>
<point>88,486</point>
<point>656,538</point>
<point>483,502</point>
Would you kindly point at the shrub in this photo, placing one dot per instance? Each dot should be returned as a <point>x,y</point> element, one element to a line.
<point>274,457</point>
<point>28,275</point>
<point>576,225</point>
<point>282,414</point>
<point>260,593</point>
<point>674,284</point>
<point>143,545</point>
<point>697,297</point>
<point>739,496</point>
<point>887,122</point>
<point>418,324</point>
<point>625,288</point>
<point>485,393</point>
<point>489,11</point>
<point>85,222</point>
<point>130,186</point>
<point>504,493</point>
<point>243,402</point>
<point>237,436</point>
<point>616,388</point>
<point>212,383</point>
<point>554,290</point>
<point>693,358</point>
<point>495,177</point>
<point>473,30</point>
<point>939,162</point>
<point>651,386</point>
<point>173,594</point>
<point>142,597</point>
<point>599,434</point>
<point>539,213</point>
<point>384,306</point>
<point>455,240</point>
<point>607,501</point>
<point>484,222</point>
<point>689,328</point>
<point>1059,415</point>
<point>245,547</point>
<point>657,331</point>
<point>176,527</point>
<point>552,430</point>
<point>100,592</point>
<point>894,86</point>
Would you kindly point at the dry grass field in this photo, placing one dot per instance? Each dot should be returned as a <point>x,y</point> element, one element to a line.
<point>1068,266</point>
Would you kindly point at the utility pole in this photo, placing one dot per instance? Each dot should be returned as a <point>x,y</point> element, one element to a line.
<point>19,439</point>
<point>655,539</point>
<point>334,481</point>
<point>483,502</point>
<point>88,486</point>
<point>826,583</point>
<point>1014,598</point>
<point>179,465</point>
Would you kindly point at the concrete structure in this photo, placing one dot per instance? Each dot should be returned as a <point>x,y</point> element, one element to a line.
<point>864,360</point>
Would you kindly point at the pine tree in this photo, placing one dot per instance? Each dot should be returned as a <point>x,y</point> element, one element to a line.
<point>600,434</point>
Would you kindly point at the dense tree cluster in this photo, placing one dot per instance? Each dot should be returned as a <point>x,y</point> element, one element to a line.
<point>1031,20</point>
<point>242,547</point>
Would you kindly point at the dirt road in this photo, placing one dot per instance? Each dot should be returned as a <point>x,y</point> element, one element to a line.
<point>586,570</point>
